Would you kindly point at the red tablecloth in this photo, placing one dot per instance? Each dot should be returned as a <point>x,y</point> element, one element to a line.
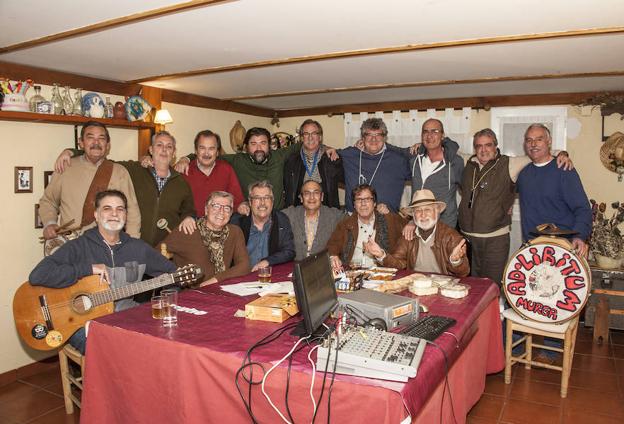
<point>137,371</point>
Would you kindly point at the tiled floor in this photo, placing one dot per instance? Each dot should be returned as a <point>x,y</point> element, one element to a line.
<point>595,391</point>
<point>595,396</point>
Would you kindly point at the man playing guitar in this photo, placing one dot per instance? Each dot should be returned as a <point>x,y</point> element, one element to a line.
<point>106,251</point>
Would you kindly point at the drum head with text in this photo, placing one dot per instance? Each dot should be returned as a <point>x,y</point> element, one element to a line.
<point>546,282</point>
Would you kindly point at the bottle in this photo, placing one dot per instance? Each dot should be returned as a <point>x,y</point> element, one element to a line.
<point>57,100</point>
<point>36,99</point>
<point>108,108</point>
<point>68,106</point>
<point>77,110</point>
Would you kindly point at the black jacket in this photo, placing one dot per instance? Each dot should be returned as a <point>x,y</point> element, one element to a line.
<point>281,241</point>
<point>331,174</point>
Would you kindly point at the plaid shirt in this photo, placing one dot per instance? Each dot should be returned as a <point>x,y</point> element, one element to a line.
<point>160,181</point>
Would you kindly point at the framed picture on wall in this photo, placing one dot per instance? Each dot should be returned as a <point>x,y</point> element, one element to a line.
<point>38,223</point>
<point>23,179</point>
<point>47,177</point>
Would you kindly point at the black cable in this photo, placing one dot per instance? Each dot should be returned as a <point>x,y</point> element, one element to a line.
<point>318,403</point>
<point>248,363</point>
<point>331,385</point>
<point>290,359</point>
<point>446,383</point>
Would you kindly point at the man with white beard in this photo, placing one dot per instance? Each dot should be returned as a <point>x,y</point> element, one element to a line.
<point>436,247</point>
<point>106,251</point>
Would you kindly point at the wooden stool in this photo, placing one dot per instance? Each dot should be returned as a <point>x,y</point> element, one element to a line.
<point>66,354</point>
<point>565,331</point>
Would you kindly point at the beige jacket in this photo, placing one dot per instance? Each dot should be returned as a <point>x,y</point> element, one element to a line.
<point>63,199</point>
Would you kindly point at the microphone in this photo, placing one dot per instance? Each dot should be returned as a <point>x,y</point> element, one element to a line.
<point>163,224</point>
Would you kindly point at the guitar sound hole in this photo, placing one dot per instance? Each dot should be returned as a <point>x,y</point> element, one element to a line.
<point>82,304</point>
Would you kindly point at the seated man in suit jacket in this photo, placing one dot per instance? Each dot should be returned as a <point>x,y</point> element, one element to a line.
<point>312,223</point>
<point>267,232</point>
<point>216,246</point>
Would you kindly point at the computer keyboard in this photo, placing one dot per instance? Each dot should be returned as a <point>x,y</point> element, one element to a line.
<point>428,328</point>
<point>369,352</point>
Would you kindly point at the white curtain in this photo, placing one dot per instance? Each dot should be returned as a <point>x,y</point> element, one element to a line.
<point>404,129</point>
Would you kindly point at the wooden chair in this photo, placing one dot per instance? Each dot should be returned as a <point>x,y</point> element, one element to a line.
<point>564,331</point>
<point>70,381</point>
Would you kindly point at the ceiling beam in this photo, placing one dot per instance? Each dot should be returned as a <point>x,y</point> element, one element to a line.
<point>431,83</point>
<point>485,102</point>
<point>386,50</point>
<point>187,99</point>
<point>16,71</point>
<point>111,23</point>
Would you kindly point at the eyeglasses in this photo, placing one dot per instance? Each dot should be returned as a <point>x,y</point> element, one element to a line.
<point>363,200</point>
<point>315,193</point>
<point>260,199</point>
<point>314,134</point>
<point>374,136</point>
<point>217,207</point>
<point>434,131</point>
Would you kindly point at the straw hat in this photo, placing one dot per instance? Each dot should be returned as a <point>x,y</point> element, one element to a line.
<point>424,198</point>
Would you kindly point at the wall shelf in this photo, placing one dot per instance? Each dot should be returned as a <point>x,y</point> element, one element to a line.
<point>71,120</point>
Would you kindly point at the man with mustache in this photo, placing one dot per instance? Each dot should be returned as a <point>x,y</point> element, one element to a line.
<point>106,251</point>
<point>436,247</point>
<point>162,193</point>
<point>207,173</point>
<point>256,163</point>
<point>217,247</point>
<point>268,234</point>
<point>70,194</point>
<point>550,195</point>
<point>310,164</point>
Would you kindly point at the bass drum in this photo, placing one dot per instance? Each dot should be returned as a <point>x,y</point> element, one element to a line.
<point>546,281</point>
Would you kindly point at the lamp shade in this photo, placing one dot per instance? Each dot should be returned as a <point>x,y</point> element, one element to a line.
<point>163,117</point>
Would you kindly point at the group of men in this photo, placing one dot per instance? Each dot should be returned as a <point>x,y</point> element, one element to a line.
<point>235,213</point>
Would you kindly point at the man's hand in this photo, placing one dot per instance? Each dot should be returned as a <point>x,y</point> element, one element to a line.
<point>100,269</point>
<point>262,264</point>
<point>580,247</point>
<point>414,149</point>
<point>359,144</point>
<point>409,230</point>
<point>188,225</point>
<point>371,247</point>
<point>459,251</point>
<point>383,209</point>
<point>49,232</point>
<point>147,161</point>
<point>331,153</point>
<point>63,161</point>
<point>208,282</point>
<point>182,166</point>
<point>336,264</point>
<point>243,209</point>
<point>564,161</point>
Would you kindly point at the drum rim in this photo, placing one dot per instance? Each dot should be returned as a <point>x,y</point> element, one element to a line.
<point>560,243</point>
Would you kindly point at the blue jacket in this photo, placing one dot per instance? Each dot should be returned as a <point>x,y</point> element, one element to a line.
<point>126,263</point>
<point>281,242</point>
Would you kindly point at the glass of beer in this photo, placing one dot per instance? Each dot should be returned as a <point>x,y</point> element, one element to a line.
<point>158,307</point>
<point>170,311</point>
<point>264,274</point>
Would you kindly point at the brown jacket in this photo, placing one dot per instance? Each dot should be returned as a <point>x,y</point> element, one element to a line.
<point>189,249</point>
<point>445,240</point>
<point>387,233</point>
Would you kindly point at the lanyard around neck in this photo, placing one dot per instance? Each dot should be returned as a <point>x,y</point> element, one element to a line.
<point>310,170</point>
<point>362,178</point>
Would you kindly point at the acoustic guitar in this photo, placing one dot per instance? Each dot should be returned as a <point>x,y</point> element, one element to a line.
<point>46,317</point>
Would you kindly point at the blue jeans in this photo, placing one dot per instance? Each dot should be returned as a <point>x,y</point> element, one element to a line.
<point>79,340</point>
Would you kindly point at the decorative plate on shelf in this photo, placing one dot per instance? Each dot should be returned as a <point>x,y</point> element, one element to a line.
<point>93,105</point>
<point>137,108</point>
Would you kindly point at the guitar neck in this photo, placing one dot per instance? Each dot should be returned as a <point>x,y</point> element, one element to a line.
<point>111,295</point>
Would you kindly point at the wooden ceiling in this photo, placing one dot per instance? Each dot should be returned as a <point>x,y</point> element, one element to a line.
<point>305,57</point>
